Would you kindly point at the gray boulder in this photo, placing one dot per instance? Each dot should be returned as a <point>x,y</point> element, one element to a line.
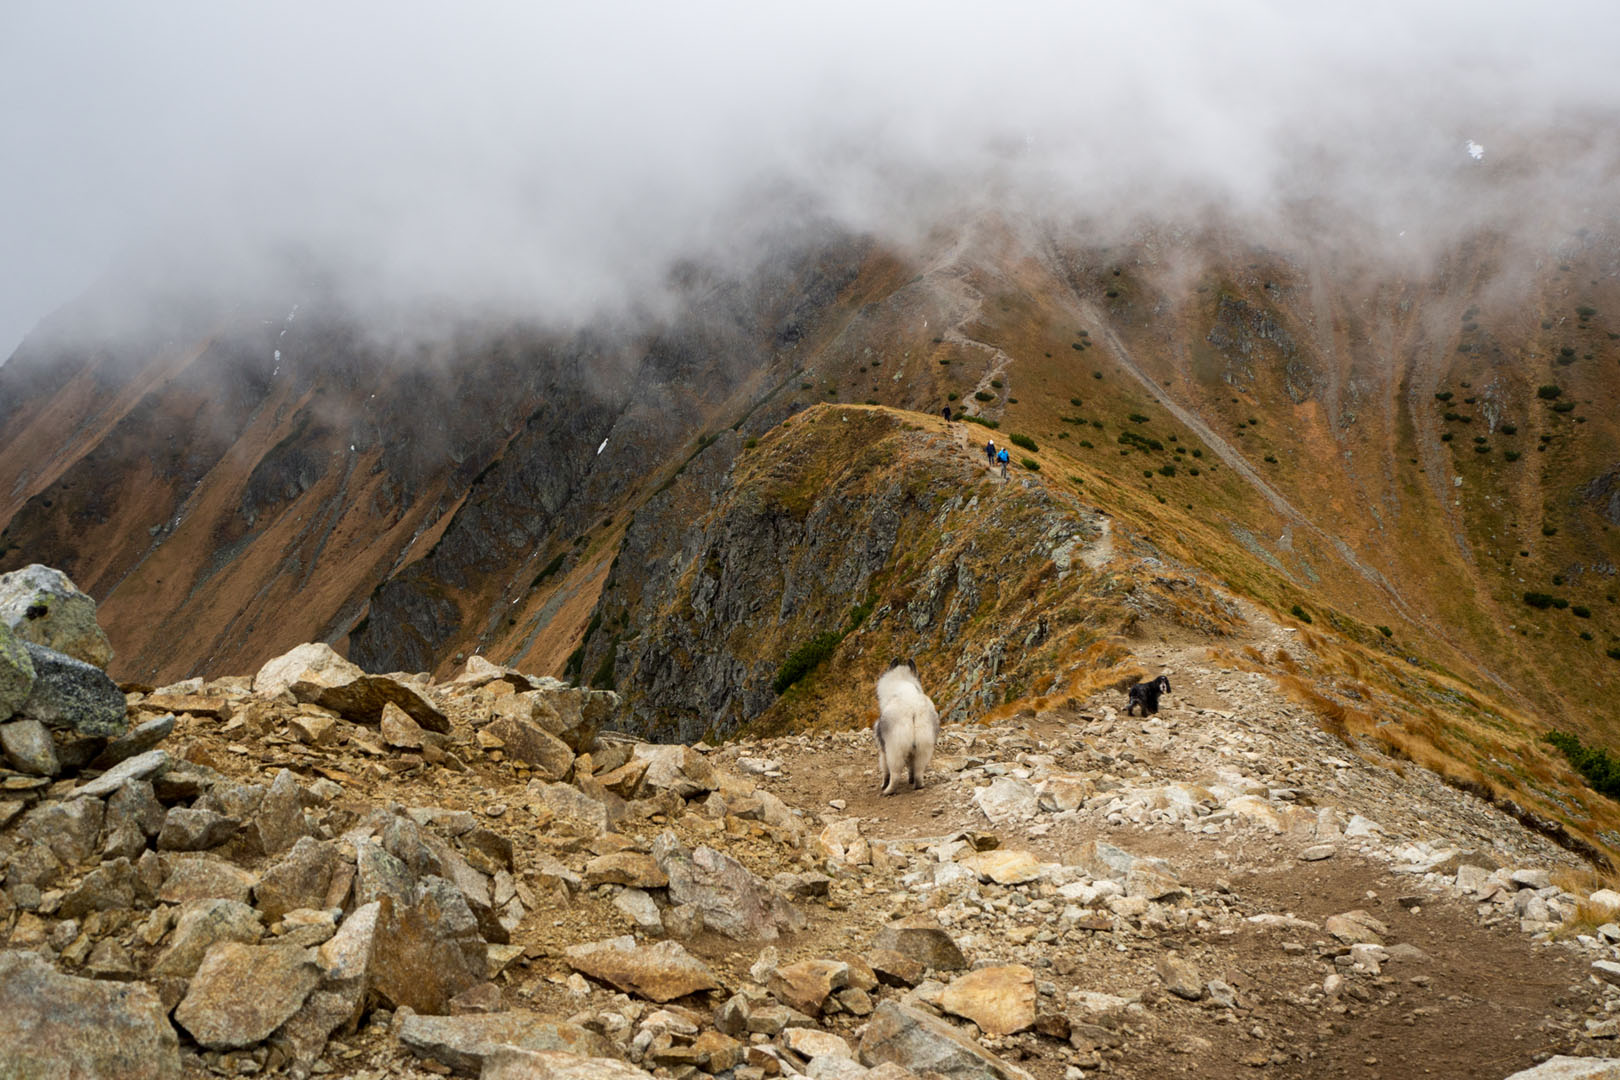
<point>59,1025</point>
<point>16,672</point>
<point>43,606</point>
<point>69,694</point>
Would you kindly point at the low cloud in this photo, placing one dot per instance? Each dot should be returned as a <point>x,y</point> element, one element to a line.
<point>551,163</point>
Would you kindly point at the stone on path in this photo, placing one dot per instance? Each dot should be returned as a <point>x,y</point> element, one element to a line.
<point>54,1025</point>
<point>1317,852</point>
<point>1180,977</point>
<point>514,1063</point>
<point>1005,866</point>
<point>923,940</point>
<point>1001,1000</point>
<point>734,902</point>
<point>1572,1068</point>
<point>202,925</point>
<point>925,1044</point>
<point>808,984</point>
<point>463,1042</point>
<point>140,767</point>
<point>1006,800</point>
<point>1356,928</point>
<point>661,972</point>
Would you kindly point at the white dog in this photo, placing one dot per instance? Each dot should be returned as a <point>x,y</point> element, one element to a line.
<point>906,729</point>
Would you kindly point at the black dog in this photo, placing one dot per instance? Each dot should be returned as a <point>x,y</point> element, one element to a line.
<point>1146,694</point>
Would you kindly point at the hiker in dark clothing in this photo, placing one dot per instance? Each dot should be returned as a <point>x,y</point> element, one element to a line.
<point>990,452</point>
<point>947,411</point>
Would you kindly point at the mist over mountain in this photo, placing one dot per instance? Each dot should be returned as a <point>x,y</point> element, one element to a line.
<point>553,164</point>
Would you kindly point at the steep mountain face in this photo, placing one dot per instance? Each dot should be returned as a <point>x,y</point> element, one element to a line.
<point>1404,458</point>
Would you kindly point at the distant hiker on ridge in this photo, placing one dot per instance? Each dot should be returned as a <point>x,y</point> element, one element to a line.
<point>1003,457</point>
<point>990,452</point>
<point>947,411</point>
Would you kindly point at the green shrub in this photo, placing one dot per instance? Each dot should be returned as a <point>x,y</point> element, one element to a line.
<point>1030,463</point>
<point>996,383</point>
<point>805,659</point>
<point>1167,470</point>
<point>1549,392</point>
<point>1137,418</point>
<point>1086,443</point>
<point>1445,436</point>
<point>1564,407</point>
<point>1511,455</point>
<point>1444,395</point>
<point>1026,442</point>
<point>1540,600</point>
<point>1272,458</point>
<point>1386,631</point>
<point>1549,530</point>
<point>1096,374</point>
<point>1600,771</point>
<point>550,568</point>
<point>952,396</point>
<point>982,422</point>
<point>1482,449</point>
<point>1580,611</point>
<point>1193,471</point>
<point>1139,442</point>
<point>1300,613</point>
<point>1586,311</point>
<point>1613,654</point>
<point>980,395</point>
<point>1076,402</point>
<point>1509,429</point>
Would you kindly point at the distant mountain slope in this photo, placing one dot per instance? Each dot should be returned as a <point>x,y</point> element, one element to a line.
<point>1383,450</point>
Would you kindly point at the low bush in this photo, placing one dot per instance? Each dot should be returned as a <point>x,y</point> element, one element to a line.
<point>1026,442</point>
<point>1030,463</point>
<point>1596,766</point>
<point>1300,613</point>
<point>980,395</point>
<point>805,659</point>
<point>1549,392</point>
<point>982,422</point>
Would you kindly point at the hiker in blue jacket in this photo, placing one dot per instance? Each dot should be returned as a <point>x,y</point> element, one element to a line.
<point>1003,457</point>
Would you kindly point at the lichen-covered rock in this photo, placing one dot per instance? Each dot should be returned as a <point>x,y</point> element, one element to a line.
<point>429,949</point>
<point>43,606</point>
<point>57,1025</point>
<point>139,739</point>
<point>299,879</point>
<point>514,1063</point>
<point>16,672</point>
<point>72,695</point>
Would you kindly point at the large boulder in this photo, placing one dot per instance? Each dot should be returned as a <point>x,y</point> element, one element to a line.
<point>512,1063</point>
<point>59,1025</point>
<point>16,672</point>
<point>242,993</point>
<point>572,714</point>
<point>315,674</point>
<point>428,950</point>
<point>43,605</point>
<point>69,694</point>
<point>202,925</point>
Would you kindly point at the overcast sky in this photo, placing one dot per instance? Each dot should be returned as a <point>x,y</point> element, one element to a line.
<point>550,160</point>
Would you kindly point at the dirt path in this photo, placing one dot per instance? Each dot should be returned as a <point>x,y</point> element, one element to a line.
<point>1462,996</point>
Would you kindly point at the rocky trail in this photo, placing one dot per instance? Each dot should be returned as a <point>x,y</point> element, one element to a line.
<point>316,871</point>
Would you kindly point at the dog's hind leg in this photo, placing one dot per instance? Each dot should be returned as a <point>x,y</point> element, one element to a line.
<point>883,761</point>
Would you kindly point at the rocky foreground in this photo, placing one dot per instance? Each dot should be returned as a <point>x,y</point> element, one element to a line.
<point>316,871</point>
